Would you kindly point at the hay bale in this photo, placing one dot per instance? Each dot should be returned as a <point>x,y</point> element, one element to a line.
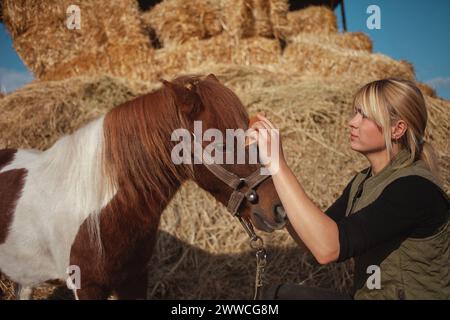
<point>132,61</point>
<point>347,40</point>
<point>313,19</point>
<point>238,19</point>
<point>176,21</point>
<point>43,41</point>
<point>315,59</point>
<point>261,15</point>
<point>217,50</point>
<point>279,18</point>
<point>261,18</point>
<point>357,41</point>
<point>427,90</point>
<point>36,115</point>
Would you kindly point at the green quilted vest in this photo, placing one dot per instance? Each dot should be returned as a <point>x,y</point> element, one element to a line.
<point>418,268</point>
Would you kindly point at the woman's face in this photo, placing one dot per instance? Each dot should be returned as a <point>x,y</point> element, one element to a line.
<point>365,135</point>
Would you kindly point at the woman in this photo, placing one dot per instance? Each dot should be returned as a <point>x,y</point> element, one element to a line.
<point>392,217</point>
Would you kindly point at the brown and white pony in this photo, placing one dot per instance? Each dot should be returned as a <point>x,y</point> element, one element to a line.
<point>94,199</point>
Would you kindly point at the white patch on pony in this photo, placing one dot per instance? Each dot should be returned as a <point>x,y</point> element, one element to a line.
<point>64,185</point>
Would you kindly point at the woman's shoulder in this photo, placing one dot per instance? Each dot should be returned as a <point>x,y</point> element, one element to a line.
<point>421,200</point>
<point>414,184</point>
<point>417,191</point>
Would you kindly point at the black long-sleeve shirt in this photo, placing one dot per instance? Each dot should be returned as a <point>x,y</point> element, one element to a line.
<point>410,206</point>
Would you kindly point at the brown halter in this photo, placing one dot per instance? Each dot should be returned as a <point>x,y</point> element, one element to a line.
<point>236,183</point>
<point>234,202</point>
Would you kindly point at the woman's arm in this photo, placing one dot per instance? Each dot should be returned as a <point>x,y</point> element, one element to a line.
<point>317,231</point>
<point>295,236</point>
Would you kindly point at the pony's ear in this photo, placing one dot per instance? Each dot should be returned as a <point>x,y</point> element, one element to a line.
<point>186,99</point>
<point>212,77</point>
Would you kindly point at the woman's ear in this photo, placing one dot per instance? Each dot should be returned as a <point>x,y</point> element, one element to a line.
<point>186,99</point>
<point>398,129</point>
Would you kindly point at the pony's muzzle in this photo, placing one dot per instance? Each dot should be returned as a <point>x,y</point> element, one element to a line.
<point>279,219</point>
<point>280,215</point>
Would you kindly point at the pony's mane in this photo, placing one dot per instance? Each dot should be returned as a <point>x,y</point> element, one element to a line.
<point>138,147</point>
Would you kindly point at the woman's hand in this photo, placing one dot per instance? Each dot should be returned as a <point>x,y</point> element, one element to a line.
<point>270,150</point>
<point>307,222</point>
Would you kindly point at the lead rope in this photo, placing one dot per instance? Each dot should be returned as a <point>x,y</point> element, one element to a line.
<point>256,243</point>
<point>261,260</point>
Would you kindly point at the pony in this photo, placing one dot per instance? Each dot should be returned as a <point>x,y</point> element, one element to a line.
<point>94,199</point>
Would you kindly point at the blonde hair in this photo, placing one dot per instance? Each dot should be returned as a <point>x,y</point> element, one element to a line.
<point>389,100</point>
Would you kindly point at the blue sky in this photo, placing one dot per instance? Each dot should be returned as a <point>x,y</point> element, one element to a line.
<point>13,73</point>
<point>410,29</point>
<point>414,30</point>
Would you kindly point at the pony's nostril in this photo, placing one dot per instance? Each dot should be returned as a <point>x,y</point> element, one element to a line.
<point>280,214</point>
